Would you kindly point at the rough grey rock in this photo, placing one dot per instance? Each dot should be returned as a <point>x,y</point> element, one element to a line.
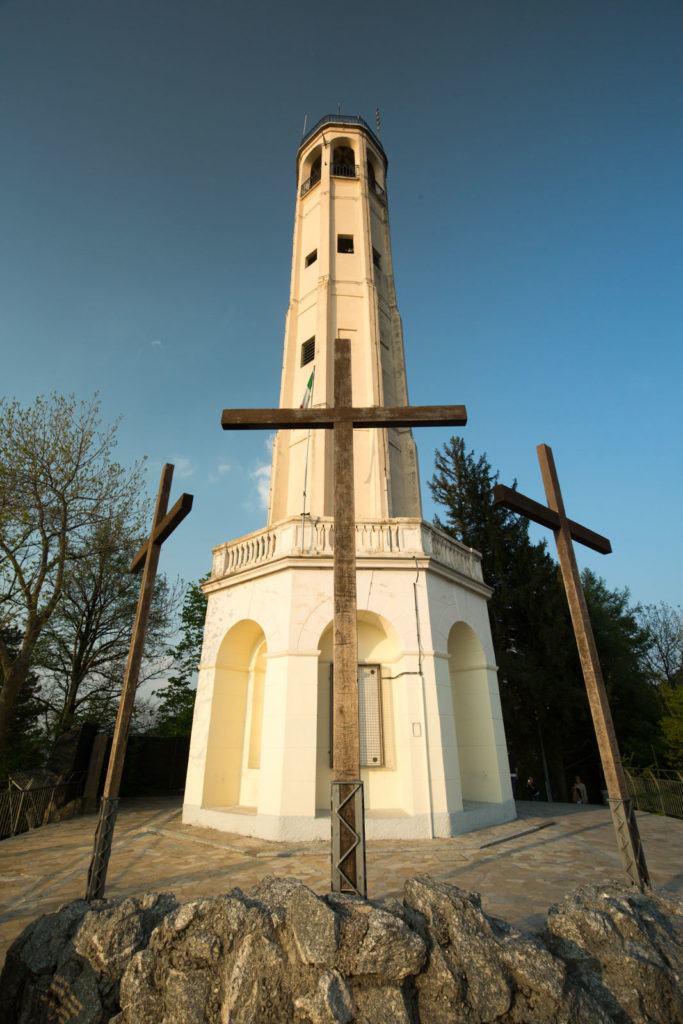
<point>625,948</point>
<point>67,966</point>
<point>331,1003</point>
<point>280,953</point>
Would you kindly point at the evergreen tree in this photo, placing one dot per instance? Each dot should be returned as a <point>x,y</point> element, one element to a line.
<point>622,645</point>
<point>530,625</point>
<point>25,746</point>
<point>543,695</point>
<point>176,703</point>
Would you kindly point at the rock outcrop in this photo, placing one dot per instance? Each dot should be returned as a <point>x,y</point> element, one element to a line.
<point>281,954</point>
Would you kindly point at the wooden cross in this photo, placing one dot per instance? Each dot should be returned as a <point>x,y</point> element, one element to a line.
<point>146,559</point>
<point>348,842</point>
<point>626,827</point>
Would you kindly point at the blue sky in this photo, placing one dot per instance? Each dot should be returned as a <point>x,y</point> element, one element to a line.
<point>535,192</point>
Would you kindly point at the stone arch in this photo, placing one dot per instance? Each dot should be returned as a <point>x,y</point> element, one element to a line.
<point>311,166</point>
<point>343,157</point>
<point>375,169</point>
<point>473,715</point>
<point>234,743</point>
<point>379,643</point>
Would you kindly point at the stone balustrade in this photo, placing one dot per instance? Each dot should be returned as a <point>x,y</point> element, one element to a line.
<point>314,538</point>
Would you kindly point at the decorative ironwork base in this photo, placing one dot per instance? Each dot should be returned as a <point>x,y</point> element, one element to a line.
<point>348,838</point>
<point>628,841</point>
<point>97,872</point>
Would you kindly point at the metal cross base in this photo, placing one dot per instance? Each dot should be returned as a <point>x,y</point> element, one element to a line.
<point>348,838</point>
<point>628,841</point>
<point>97,872</point>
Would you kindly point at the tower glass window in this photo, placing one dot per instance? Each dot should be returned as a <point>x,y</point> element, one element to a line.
<point>308,351</point>
<point>344,243</point>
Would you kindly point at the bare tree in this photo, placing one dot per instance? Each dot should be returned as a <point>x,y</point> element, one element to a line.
<point>58,482</point>
<point>82,651</point>
<point>664,657</point>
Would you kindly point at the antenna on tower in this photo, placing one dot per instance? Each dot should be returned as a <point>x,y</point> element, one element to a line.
<point>305,120</point>
<point>379,130</point>
<point>339,108</point>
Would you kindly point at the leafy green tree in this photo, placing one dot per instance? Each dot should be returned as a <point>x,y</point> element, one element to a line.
<point>58,481</point>
<point>176,699</point>
<point>672,723</point>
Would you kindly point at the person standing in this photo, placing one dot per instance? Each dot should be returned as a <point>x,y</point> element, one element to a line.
<point>579,793</point>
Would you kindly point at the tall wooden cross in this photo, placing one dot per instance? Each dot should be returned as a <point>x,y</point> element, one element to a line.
<point>147,559</point>
<point>348,828</point>
<point>565,530</point>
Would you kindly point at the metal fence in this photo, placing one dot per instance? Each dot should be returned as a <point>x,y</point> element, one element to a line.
<point>24,808</point>
<point>657,791</point>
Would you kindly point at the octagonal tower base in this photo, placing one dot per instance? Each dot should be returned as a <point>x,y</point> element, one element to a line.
<point>432,739</point>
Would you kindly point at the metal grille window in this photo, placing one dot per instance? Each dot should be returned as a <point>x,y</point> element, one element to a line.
<point>370,724</point>
<point>308,351</point>
<point>370,715</point>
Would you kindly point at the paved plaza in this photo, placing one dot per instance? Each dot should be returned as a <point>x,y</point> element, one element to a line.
<point>520,868</point>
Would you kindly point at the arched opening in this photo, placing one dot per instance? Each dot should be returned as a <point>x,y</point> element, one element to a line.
<point>343,159</point>
<point>233,758</point>
<point>472,709</point>
<point>311,170</point>
<point>379,648</point>
<point>375,176</point>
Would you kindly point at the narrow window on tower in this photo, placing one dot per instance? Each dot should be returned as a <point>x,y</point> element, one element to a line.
<point>312,257</point>
<point>376,259</point>
<point>308,351</point>
<point>344,243</point>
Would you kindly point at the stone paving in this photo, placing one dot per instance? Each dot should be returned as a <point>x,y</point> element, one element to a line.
<point>520,868</point>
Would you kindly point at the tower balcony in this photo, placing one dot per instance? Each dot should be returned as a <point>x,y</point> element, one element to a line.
<point>309,183</point>
<point>379,544</point>
<point>344,170</point>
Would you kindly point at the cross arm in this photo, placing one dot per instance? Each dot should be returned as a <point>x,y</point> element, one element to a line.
<point>515,502</point>
<point>363,416</point>
<point>165,528</point>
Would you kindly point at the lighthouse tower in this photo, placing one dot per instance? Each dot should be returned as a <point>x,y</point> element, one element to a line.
<point>433,754</point>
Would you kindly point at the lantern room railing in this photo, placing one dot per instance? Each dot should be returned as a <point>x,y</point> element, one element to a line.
<point>310,182</point>
<point>345,170</point>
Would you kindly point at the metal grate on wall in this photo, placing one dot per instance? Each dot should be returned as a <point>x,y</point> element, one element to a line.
<point>370,724</point>
<point>370,715</point>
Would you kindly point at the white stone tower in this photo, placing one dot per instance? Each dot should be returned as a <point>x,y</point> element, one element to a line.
<point>433,752</point>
